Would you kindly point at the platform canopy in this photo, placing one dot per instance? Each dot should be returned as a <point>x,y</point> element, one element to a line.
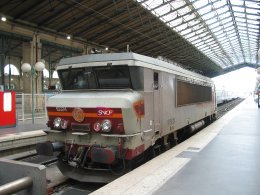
<point>208,36</point>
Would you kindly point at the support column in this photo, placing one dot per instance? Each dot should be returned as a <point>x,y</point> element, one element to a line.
<point>38,54</point>
<point>27,52</point>
<point>86,49</point>
<point>2,61</point>
<point>39,98</point>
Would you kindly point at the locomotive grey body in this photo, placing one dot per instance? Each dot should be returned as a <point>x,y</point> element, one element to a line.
<point>115,107</point>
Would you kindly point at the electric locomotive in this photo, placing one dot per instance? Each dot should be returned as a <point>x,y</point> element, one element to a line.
<point>116,107</point>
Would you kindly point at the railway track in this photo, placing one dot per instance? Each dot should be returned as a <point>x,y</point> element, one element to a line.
<point>57,184</point>
<point>224,108</point>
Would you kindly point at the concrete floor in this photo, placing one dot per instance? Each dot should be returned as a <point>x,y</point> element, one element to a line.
<point>23,126</point>
<point>230,164</point>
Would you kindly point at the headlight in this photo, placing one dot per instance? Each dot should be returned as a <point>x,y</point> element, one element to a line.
<point>106,126</point>
<point>57,122</point>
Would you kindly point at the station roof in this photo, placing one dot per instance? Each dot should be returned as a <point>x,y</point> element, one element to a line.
<point>208,36</point>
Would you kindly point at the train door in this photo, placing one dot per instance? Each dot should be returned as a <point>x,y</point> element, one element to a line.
<point>156,103</point>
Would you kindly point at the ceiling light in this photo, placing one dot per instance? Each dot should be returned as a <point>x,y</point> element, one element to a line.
<point>68,37</point>
<point>106,48</point>
<point>3,18</point>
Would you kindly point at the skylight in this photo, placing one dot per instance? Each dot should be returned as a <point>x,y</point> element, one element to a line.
<point>227,31</point>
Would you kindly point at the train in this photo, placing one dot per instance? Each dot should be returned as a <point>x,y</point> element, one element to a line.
<point>223,96</point>
<point>118,108</point>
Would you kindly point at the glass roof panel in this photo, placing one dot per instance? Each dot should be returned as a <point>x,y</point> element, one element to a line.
<point>252,17</point>
<point>214,25</point>
<point>192,38</point>
<point>240,19</point>
<point>186,31</point>
<point>209,15</point>
<point>152,4</point>
<point>175,22</point>
<point>184,10</point>
<point>177,4</point>
<point>212,21</point>
<point>190,35</point>
<point>163,9</point>
<point>225,15</point>
<point>205,9</point>
<point>222,10</point>
<point>217,28</point>
<point>169,17</point>
<point>252,11</point>
<point>199,4</point>
<point>189,17</point>
<point>181,27</point>
<point>238,9</point>
<point>218,4</point>
<point>236,2</point>
<point>252,25</point>
<point>227,31</point>
<point>242,15</point>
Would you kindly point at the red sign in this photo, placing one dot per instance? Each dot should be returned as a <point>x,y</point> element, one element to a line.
<point>105,112</point>
<point>7,109</point>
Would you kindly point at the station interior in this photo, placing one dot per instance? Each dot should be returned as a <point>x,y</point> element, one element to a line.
<point>218,39</point>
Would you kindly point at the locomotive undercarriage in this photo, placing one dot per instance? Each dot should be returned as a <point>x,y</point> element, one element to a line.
<point>93,157</point>
<point>81,167</point>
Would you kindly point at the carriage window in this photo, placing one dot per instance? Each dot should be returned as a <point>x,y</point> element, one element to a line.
<point>113,77</point>
<point>190,93</point>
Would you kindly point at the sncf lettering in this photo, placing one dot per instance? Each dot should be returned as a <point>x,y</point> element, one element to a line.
<point>105,112</point>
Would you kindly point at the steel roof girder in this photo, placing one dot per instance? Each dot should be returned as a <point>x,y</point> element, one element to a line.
<point>57,15</point>
<point>111,21</point>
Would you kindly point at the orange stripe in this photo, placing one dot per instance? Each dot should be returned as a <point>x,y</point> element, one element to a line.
<point>59,114</point>
<point>94,115</point>
<point>88,115</point>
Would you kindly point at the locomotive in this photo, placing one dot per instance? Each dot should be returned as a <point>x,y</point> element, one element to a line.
<point>115,108</point>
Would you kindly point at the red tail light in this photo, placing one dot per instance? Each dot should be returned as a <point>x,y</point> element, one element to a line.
<point>97,127</point>
<point>120,128</point>
<point>139,108</point>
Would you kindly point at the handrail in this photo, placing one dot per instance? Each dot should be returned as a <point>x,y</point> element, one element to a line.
<point>16,186</point>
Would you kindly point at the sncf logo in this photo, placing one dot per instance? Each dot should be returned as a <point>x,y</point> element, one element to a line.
<point>105,112</point>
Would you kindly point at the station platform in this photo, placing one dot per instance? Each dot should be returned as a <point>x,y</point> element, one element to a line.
<point>24,126</point>
<point>223,158</point>
<point>23,137</point>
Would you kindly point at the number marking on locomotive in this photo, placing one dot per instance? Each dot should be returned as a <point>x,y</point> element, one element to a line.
<point>61,109</point>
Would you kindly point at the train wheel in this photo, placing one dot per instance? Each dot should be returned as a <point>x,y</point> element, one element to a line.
<point>119,167</point>
<point>149,154</point>
<point>173,139</point>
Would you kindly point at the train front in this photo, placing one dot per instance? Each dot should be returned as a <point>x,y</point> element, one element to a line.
<point>95,122</point>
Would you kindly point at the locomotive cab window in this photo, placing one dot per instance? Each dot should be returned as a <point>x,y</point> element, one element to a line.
<point>105,77</point>
<point>78,78</point>
<point>113,77</point>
